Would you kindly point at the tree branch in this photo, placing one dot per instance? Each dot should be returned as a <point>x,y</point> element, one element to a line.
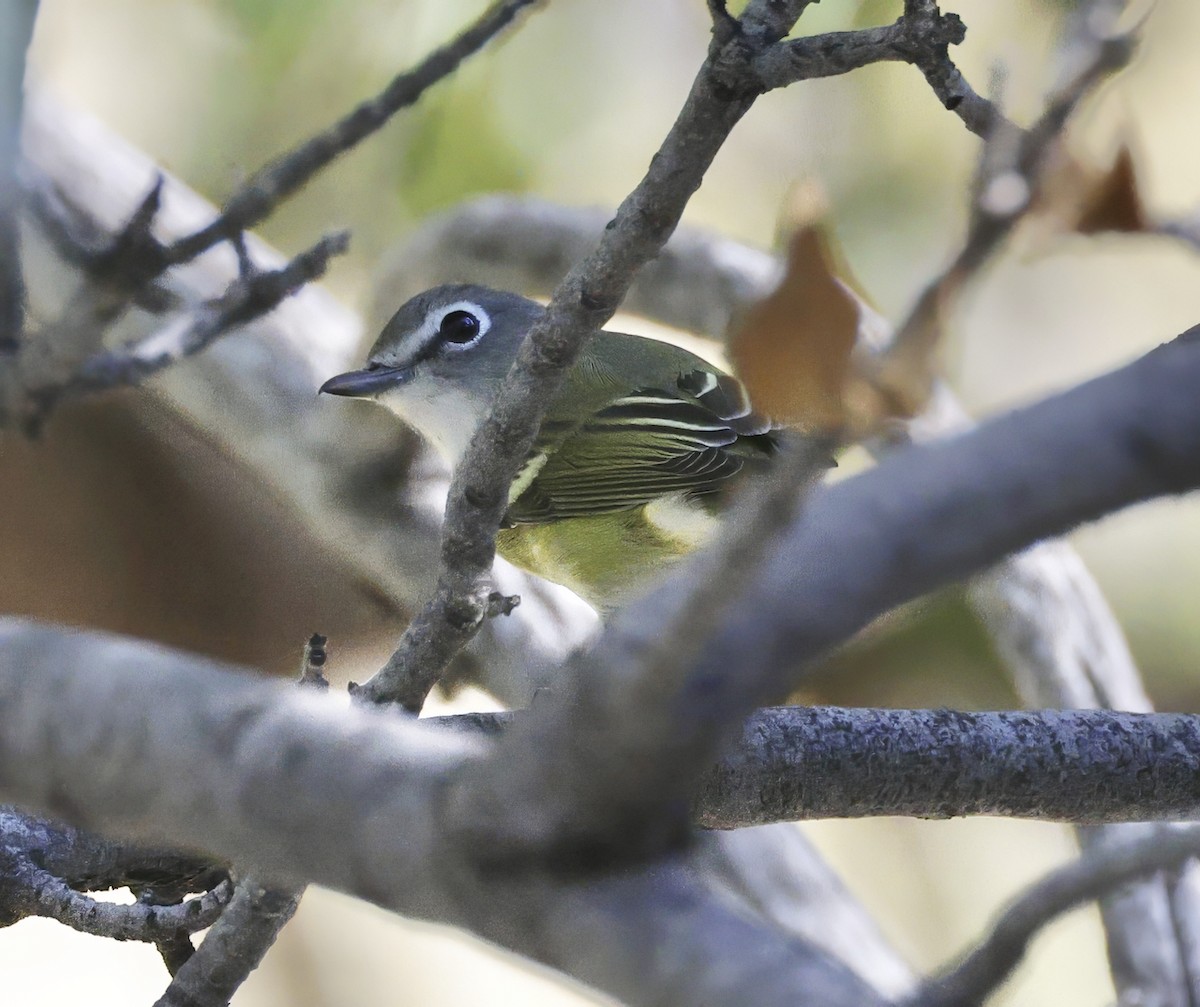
<point>90,863</point>
<point>43,894</point>
<point>921,518</point>
<point>245,299</point>
<point>233,948</point>
<point>16,28</point>
<point>721,94</point>
<point>798,763</point>
<point>1010,176</point>
<point>271,184</point>
<point>273,776</point>
<point>1093,876</point>
<point>922,37</point>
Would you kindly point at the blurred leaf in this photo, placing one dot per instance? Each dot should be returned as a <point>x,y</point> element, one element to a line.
<point>1080,198</point>
<point>1115,204</point>
<point>903,375</point>
<point>793,349</point>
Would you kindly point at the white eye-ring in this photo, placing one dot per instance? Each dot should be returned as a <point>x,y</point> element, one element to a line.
<point>459,325</point>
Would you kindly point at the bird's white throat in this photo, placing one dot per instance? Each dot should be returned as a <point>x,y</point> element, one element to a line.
<point>443,414</point>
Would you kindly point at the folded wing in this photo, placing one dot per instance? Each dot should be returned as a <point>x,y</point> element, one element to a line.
<point>690,437</point>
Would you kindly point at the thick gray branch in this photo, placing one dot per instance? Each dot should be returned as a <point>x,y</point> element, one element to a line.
<point>73,731</point>
<point>16,28</point>
<point>150,742</point>
<point>792,763</point>
<point>922,518</point>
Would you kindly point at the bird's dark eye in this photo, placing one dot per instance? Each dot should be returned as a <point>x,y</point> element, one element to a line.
<point>459,327</point>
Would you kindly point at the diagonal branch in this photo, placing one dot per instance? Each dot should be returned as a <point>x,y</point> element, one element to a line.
<point>1011,175</point>
<point>721,94</point>
<point>281,177</point>
<point>245,299</point>
<point>233,948</point>
<point>16,29</point>
<point>920,519</point>
<point>1098,873</point>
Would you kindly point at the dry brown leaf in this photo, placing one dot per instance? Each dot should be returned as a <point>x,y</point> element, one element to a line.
<point>793,349</point>
<point>1114,202</point>
<point>1081,198</point>
<point>904,375</point>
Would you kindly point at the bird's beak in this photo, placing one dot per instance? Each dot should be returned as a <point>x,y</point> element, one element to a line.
<point>366,383</point>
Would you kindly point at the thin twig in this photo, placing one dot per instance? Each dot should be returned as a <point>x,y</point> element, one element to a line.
<point>922,37</point>
<point>78,239</point>
<point>312,663</point>
<point>52,897</point>
<point>287,173</point>
<point>1091,877</point>
<point>1006,190</point>
<point>245,299</point>
<point>233,948</point>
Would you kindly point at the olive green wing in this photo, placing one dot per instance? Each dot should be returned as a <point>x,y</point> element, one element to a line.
<point>690,437</point>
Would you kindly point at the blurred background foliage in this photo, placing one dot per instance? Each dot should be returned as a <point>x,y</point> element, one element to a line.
<point>571,107</point>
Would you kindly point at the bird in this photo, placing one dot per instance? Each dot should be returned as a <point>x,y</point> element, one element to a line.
<point>634,454</point>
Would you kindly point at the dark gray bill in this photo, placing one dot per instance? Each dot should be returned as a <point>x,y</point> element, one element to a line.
<point>365,383</point>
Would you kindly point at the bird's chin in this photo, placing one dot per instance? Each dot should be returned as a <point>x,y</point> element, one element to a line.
<point>441,412</point>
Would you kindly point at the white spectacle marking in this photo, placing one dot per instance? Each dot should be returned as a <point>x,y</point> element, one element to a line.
<point>425,333</point>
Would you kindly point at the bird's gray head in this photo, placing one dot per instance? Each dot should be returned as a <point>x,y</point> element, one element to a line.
<point>441,359</point>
